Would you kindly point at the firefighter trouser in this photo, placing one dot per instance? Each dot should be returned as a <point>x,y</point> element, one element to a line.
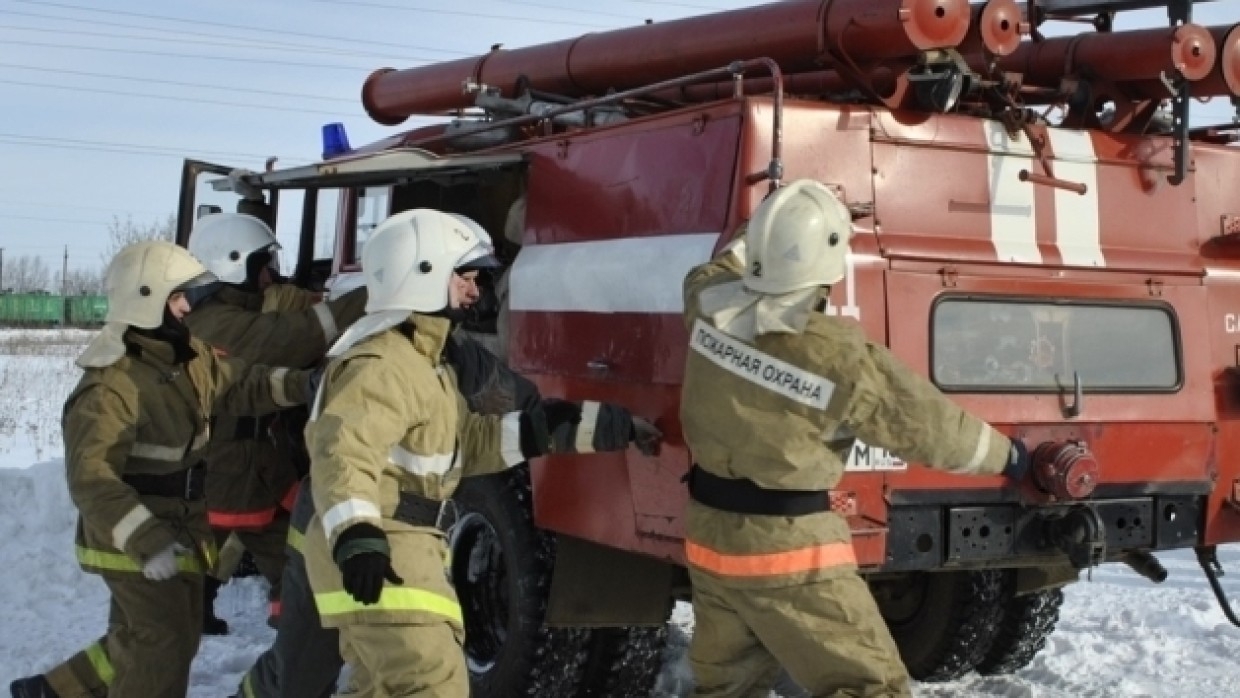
<point>409,642</point>
<point>266,546</point>
<point>828,634</point>
<point>405,660</point>
<point>153,632</point>
<point>304,661</point>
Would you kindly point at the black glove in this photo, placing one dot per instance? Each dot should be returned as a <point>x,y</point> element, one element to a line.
<point>645,436</point>
<point>365,561</point>
<point>535,438</point>
<point>560,412</point>
<point>1018,461</point>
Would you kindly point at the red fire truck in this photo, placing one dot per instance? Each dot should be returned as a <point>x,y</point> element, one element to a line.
<point>1039,231</point>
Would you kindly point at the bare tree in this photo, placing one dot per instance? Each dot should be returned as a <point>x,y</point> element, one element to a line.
<point>127,231</point>
<point>27,274</point>
<point>81,282</point>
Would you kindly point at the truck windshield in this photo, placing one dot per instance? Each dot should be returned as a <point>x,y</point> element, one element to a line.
<point>1015,345</point>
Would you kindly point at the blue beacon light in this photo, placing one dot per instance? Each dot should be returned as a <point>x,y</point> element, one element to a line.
<point>335,140</point>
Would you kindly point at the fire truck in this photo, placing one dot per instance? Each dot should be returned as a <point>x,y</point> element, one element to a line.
<point>1038,230</point>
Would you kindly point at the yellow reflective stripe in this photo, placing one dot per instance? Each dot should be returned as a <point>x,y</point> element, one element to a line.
<point>324,316</point>
<point>510,439</point>
<point>101,664</point>
<point>337,603</point>
<point>276,381</point>
<point>128,524</point>
<point>120,562</point>
<point>584,443</point>
<point>296,539</point>
<point>168,454</point>
<point>247,688</point>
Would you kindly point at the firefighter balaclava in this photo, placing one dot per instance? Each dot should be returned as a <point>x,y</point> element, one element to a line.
<point>138,283</point>
<point>795,247</point>
<point>408,262</point>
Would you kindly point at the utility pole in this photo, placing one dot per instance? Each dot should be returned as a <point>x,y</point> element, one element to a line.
<point>64,288</point>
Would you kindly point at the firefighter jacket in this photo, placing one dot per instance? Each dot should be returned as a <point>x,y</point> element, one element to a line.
<point>251,477</point>
<point>148,416</point>
<point>783,412</point>
<point>389,419</point>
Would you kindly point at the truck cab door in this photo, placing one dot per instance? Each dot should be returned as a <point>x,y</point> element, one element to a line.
<point>206,189</point>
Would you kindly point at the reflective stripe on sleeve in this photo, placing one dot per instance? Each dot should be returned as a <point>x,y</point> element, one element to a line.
<point>326,321</point>
<point>349,512</point>
<point>435,464</point>
<point>278,395</point>
<point>983,447</point>
<point>168,454</point>
<point>510,439</point>
<point>120,562</point>
<point>296,539</point>
<point>128,524</point>
<point>99,661</point>
<point>768,564</point>
<point>584,443</point>
<point>392,598</point>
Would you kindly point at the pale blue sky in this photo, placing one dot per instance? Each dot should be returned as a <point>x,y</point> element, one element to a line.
<point>102,100</point>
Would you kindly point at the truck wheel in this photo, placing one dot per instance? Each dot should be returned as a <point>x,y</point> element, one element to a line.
<point>623,662</point>
<point>943,622</point>
<point>1027,623</point>
<point>501,569</point>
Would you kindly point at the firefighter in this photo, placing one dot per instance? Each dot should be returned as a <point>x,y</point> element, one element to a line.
<point>374,554</point>
<point>304,660</point>
<point>135,428</point>
<point>774,394</point>
<point>252,315</point>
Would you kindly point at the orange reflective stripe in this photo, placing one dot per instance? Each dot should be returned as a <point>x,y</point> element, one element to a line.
<point>245,519</point>
<point>765,564</point>
<point>274,608</point>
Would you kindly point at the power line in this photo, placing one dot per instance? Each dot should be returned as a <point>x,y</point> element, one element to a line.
<point>454,13</point>
<point>127,148</point>
<point>714,8</point>
<point>265,45</point>
<point>265,32</point>
<point>562,8</point>
<point>198,56</point>
<point>198,100</point>
<point>113,76</point>
<point>59,205</point>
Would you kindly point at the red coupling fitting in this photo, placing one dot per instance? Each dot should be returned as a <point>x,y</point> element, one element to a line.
<point>1067,470</point>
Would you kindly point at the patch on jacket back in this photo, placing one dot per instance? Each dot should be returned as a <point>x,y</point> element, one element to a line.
<point>760,368</point>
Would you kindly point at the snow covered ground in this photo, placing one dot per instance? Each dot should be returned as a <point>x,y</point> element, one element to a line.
<point>1118,635</point>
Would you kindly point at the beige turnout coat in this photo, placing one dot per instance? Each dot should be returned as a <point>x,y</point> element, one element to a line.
<point>783,411</point>
<point>389,419</point>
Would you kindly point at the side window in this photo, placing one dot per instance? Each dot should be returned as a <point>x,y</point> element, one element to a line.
<point>371,207</point>
<point>1017,345</point>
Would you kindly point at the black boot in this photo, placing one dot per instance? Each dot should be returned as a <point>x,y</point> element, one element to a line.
<point>32,687</point>
<point>211,625</point>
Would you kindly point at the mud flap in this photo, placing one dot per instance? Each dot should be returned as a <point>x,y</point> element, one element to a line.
<point>596,586</point>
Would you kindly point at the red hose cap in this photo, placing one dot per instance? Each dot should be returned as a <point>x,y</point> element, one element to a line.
<point>935,23</point>
<point>1067,470</point>
<point>1001,25</point>
<point>1193,51</point>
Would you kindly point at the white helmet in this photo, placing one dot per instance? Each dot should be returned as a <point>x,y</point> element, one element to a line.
<point>411,256</point>
<point>482,256</point>
<point>143,275</point>
<point>223,241</point>
<point>798,238</point>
